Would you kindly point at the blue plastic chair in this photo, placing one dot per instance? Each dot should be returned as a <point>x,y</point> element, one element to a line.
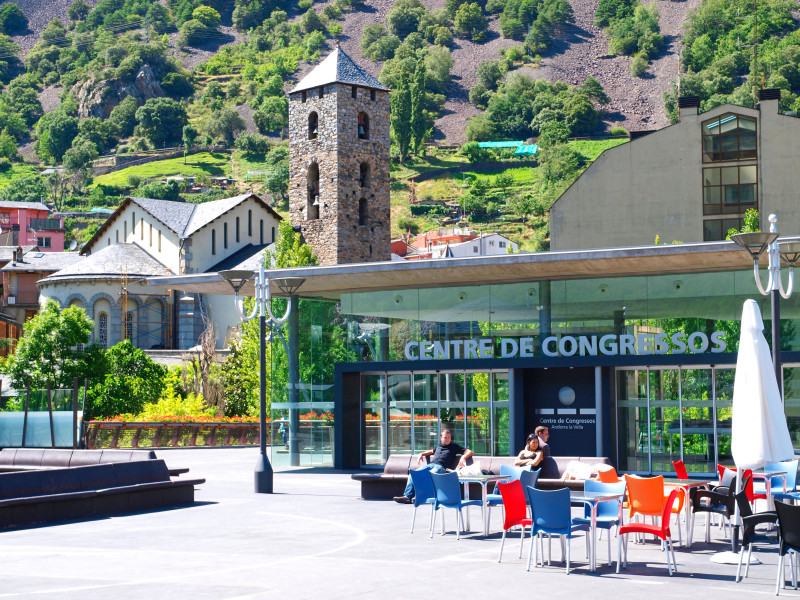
<point>790,467</point>
<point>607,512</point>
<point>448,495</point>
<point>550,511</point>
<point>423,491</point>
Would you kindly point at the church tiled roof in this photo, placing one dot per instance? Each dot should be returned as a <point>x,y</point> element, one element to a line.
<point>338,67</point>
<point>112,261</point>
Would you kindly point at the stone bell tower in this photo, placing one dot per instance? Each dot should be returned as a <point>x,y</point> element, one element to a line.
<point>339,162</point>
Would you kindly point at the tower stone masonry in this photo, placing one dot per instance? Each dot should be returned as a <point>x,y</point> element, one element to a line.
<point>339,162</point>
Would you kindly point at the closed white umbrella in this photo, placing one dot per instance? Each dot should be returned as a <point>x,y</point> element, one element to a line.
<point>759,433</point>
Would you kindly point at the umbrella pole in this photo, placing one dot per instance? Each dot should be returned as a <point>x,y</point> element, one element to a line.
<point>735,524</point>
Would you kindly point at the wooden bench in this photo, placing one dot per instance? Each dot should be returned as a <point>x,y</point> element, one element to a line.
<point>392,480</point>
<point>60,494</point>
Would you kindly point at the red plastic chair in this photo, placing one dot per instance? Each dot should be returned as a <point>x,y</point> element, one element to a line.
<point>515,511</point>
<point>680,469</point>
<point>661,531</point>
<point>747,473</point>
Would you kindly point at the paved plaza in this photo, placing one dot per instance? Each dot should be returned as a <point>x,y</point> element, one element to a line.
<point>314,538</point>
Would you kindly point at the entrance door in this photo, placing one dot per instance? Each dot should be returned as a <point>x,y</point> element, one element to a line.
<point>563,400</point>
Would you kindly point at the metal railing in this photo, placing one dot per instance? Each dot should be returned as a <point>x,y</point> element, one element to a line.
<point>44,224</point>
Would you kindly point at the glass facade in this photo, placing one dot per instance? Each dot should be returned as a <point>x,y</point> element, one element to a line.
<point>659,413</point>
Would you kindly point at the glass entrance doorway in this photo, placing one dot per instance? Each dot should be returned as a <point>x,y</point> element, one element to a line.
<point>667,414</point>
<point>404,412</point>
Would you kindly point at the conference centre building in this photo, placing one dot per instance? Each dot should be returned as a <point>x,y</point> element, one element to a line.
<point>628,353</point>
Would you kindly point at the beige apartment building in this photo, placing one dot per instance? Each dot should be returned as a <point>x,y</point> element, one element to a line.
<point>689,182</point>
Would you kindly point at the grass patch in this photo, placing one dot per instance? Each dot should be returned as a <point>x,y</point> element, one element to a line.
<point>197,165</point>
<point>591,149</point>
<point>16,171</point>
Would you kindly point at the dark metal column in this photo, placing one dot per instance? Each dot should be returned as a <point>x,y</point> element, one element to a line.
<point>263,470</point>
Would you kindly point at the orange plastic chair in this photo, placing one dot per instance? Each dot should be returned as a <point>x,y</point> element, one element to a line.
<point>661,531</point>
<point>515,511</point>
<point>645,495</point>
<point>607,474</point>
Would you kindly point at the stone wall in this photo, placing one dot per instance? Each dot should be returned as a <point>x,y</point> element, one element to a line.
<point>336,235</point>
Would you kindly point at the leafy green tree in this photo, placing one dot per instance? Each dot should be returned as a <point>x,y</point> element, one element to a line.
<point>123,116</point>
<point>189,139</point>
<point>25,189</point>
<point>78,162</point>
<point>8,145</point>
<point>78,10</point>
<point>178,85</point>
<point>553,134</point>
<point>419,124</point>
<point>160,191</point>
<point>225,124</point>
<point>277,180</point>
<point>595,91</point>
<point>22,97</point>
<point>192,33</point>
<point>469,22</point>
<point>132,379</point>
<point>405,16</point>
<point>12,19</point>
<point>400,117</point>
<point>54,349</point>
<point>311,21</point>
<point>55,132</point>
<point>207,16</point>
<point>272,115</point>
<point>161,121</point>
<point>490,73</point>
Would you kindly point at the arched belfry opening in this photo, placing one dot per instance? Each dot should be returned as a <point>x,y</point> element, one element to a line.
<point>363,126</point>
<point>363,175</point>
<point>312,204</point>
<point>313,125</point>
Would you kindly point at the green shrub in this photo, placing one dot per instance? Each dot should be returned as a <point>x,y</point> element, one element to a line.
<point>432,210</point>
<point>619,131</point>
<point>5,164</point>
<point>638,65</point>
<point>474,152</point>
<point>304,5</point>
<point>408,224</point>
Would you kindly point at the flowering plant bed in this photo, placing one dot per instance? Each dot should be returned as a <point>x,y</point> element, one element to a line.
<point>125,432</point>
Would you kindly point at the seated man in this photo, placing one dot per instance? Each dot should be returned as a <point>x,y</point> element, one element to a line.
<point>444,456</point>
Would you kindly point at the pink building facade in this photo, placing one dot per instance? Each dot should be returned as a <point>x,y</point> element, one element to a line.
<point>30,224</point>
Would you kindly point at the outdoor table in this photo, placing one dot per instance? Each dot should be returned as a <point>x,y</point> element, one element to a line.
<point>687,485</point>
<point>767,477</point>
<point>593,499</point>
<point>484,480</point>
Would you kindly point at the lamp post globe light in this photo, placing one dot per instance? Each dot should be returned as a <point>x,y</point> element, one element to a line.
<point>237,279</point>
<point>756,244</point>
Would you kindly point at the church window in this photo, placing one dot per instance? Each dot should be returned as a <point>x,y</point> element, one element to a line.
<point>313,125</point>
<point>363,126</point>
<point>363,177</point>
<point>312,203</point>
<point>362,211</point>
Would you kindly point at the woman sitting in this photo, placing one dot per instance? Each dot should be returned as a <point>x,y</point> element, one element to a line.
<point>530,454</point>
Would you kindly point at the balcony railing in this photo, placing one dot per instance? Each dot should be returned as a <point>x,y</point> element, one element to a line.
<point>44,224</point>
<point>17,298</point>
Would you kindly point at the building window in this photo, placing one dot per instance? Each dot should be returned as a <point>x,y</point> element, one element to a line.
<point>362,211</point>
<point>302,96</point>
<point>313,124</point>
<point>273,235</point>
<point>117,232</point>
<point>729,137</point>
<point>125,232</point>
<point>237,230</point>
<point>151,235</point>
<point>372,95</point>
<point>102,330</point>
<point>729,190</point>
<point>354,92</point>
<point>322,92</point>
<point>501,244</point>
<point>213,242</point>
<point>261,231</point>
<point>363,126</point>
<point>363,176</point>
<point>5,218</point>
<point>133,223</point>
<point>715,230</point>
<point>44,242</point>
<point>159,240</point>
<point>129,326</point>
<point>141,228</point>
<point>225,236</point>
<point>108,242</point>
<point>312,202</point>
<point>475,249</point>
<point>249,223</point>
